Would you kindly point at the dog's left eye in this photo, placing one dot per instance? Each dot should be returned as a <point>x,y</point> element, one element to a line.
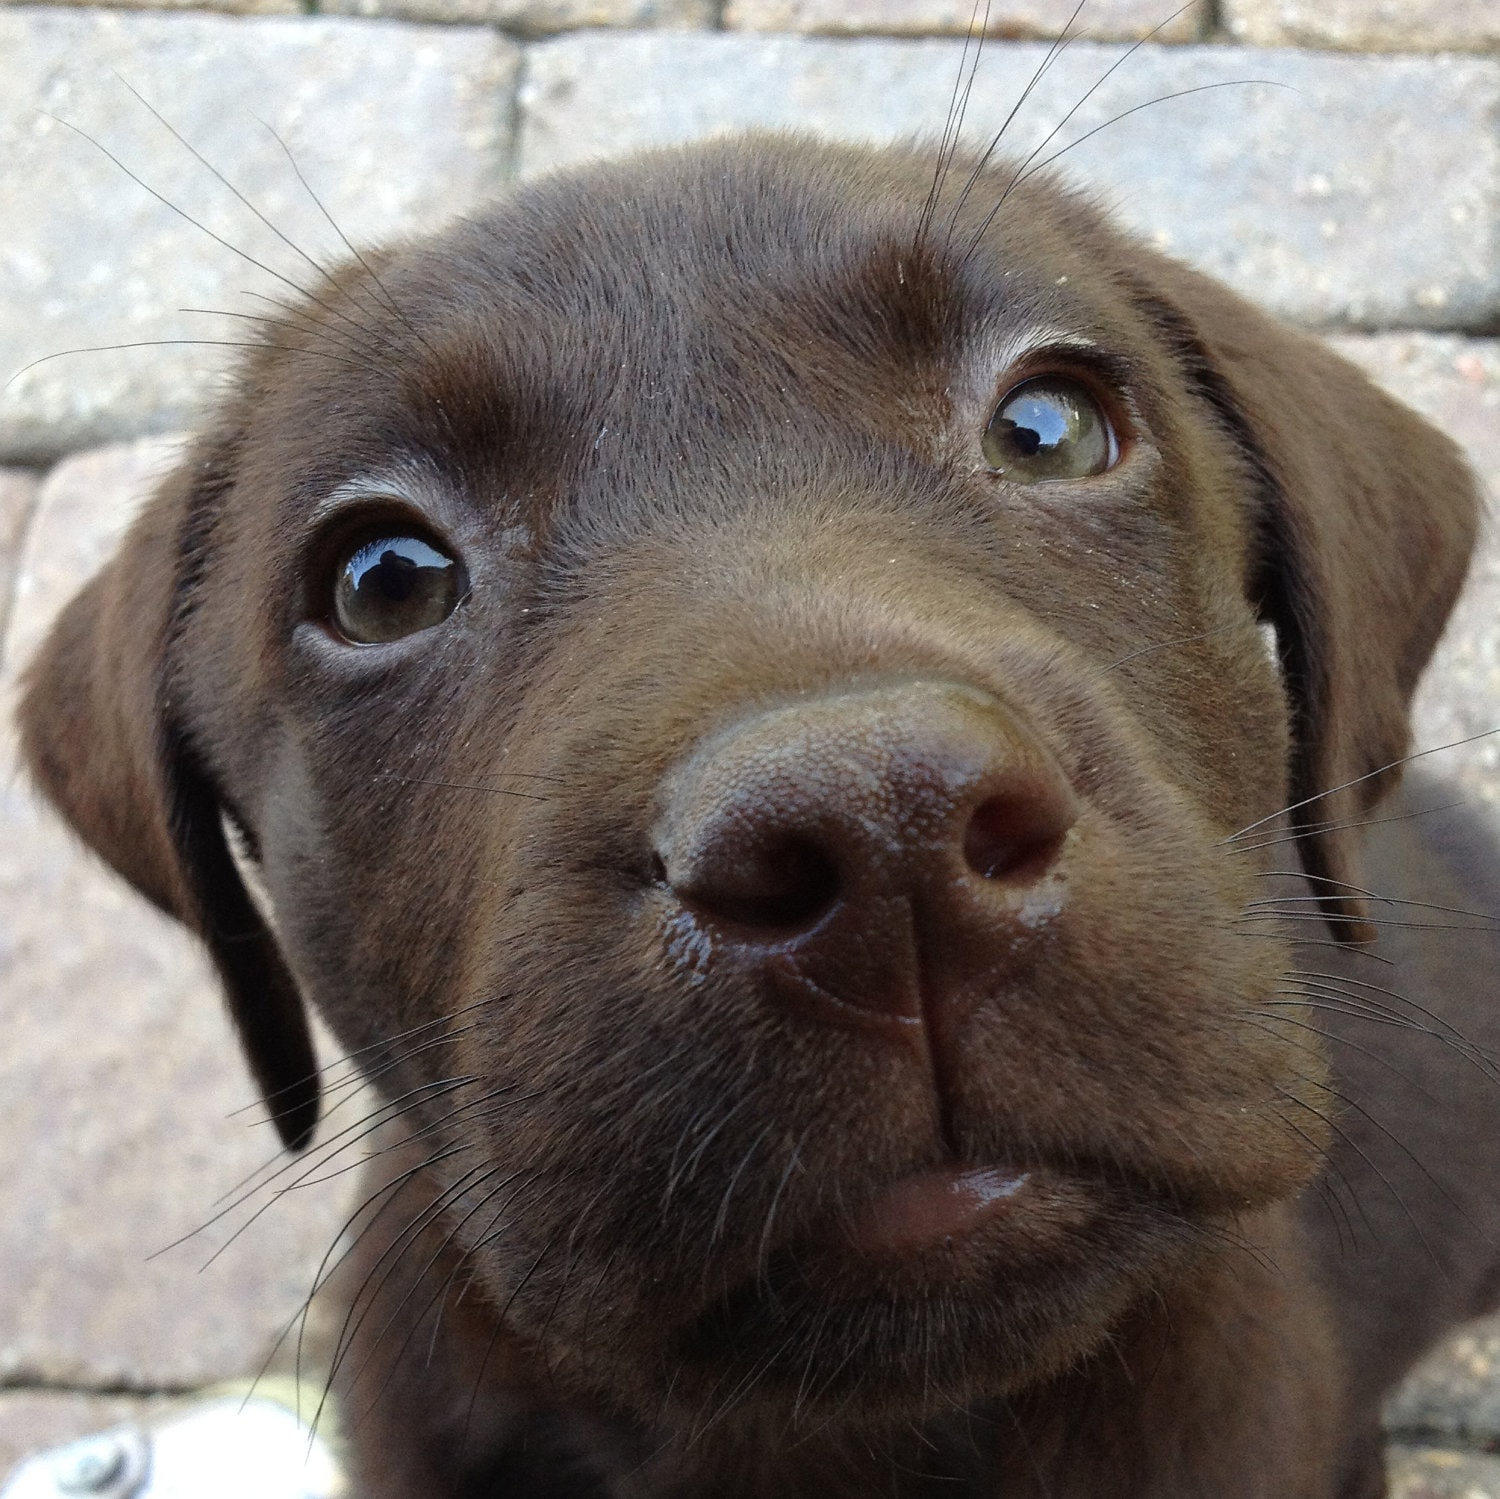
<point>395,584</point>
<point>1050,427</point>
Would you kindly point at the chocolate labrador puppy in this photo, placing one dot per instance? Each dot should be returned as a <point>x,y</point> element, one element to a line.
<point>743,678</point>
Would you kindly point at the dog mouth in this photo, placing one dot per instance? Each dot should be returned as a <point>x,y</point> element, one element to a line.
<point>969,1229</point>
<point>944,1206</point>
<point>950,1278</point>
<point>964,1224</point>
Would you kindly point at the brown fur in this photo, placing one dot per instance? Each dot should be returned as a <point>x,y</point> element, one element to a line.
<point>705,428</point>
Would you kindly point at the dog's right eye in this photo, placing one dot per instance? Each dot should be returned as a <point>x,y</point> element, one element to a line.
<point>394,584</point>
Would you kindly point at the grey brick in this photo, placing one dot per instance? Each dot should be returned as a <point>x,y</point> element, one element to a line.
<point>1100,20</point>
<point>17,494</point>
<point>234,7</point>
<point>123,1099</point>
<point>1456,383</point>
<point>1366,25</point>
<point>1454,1394</point>
<point>77,519</point>
<point>396,128</point>
<point>536,17</point>
<point>1441,1473</point>
<point>1366,190</point>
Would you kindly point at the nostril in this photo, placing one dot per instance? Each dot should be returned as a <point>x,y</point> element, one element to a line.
<point>1014,838</point>
<point>783,883</point>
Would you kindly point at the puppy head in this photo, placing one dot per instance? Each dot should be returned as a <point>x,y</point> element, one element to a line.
<point>740,686</point>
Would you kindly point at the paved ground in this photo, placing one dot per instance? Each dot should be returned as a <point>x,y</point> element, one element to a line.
<point>1356,187</point>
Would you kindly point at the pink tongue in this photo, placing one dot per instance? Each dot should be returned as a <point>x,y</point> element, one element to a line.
<point>931,1207</point>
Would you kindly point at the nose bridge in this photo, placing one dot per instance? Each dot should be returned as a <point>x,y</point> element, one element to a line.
<point>869,851</point>
<point>820,569</point>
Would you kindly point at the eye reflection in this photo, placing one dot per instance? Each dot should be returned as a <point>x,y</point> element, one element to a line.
<point>1049,428</point>
<point>394,585</point>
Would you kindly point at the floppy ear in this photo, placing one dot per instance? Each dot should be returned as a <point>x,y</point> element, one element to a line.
<point>1367,517</point>
<point>98,733</point>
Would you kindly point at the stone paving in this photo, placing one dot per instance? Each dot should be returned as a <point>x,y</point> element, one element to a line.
<point>1338,161</point>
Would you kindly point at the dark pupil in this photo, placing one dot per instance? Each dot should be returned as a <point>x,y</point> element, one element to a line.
<point>393,575</point>
<point>393,586</point>
<point>394,569</point>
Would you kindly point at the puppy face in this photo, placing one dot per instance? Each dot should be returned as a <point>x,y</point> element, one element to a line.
<point>741,678</point>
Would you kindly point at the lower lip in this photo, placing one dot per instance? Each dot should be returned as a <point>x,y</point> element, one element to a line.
<point>932,1208</point>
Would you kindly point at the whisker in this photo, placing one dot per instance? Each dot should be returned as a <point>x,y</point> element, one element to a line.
<point>218,239</point>
<point>408,780</point>
<point>369,1125</point>
<point>1359,780</point>
<point>1335,825</point>
<point>334,1257</point>
<point>292,319</point>
<point>451,1193</point>
<point>350,1059</point>
<point>1350,982</point>
<point>1339,1191</point>
<point>386,299</point>
<point>1366,953</point>
<point>371,339</point>
<point>362,1304</point>
<point>1163,645</point>
<point>958,105</point>
<point>1272,903</point>
<point>1389,923</point>
<point>165,343</point>
<point>1059,45</point>
<point>763,1253</point>
<point>1026,168</point>
<point>1125,114</point>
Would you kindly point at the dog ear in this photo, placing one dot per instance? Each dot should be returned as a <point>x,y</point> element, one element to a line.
<point>1367,517</point>
<point>98,733</point>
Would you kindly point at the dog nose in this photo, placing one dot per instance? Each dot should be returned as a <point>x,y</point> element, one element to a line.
<point>872,852</point>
